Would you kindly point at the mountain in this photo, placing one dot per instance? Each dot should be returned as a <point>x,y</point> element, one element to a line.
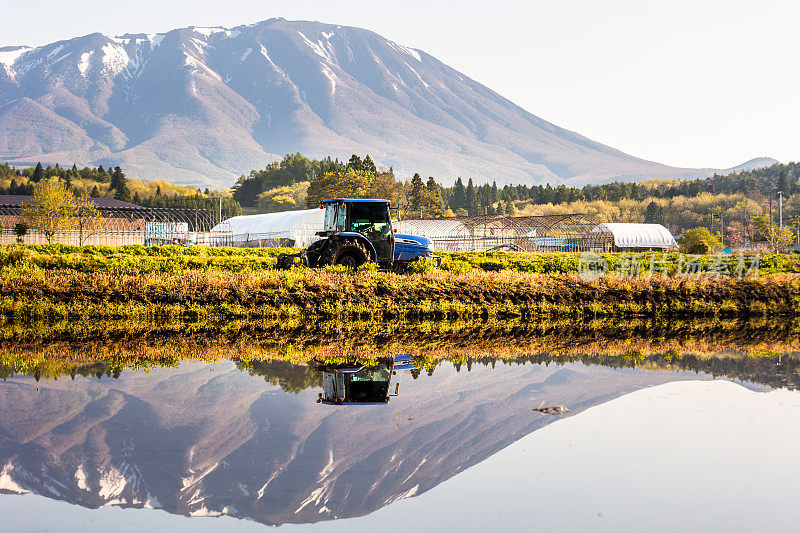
<point>207,440</point>
<point>201,106</point>
<point>753,164</point>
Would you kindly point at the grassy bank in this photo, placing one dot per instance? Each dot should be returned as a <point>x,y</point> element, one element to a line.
<point>37,294</point>
<point>146,283</point>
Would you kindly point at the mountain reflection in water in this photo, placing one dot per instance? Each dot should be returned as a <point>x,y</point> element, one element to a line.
<point>209,439</point>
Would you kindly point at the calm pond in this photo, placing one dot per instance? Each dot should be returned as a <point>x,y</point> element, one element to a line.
<point>213,446</point>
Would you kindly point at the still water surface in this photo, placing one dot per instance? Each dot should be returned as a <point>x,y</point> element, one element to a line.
<point>171,448</point>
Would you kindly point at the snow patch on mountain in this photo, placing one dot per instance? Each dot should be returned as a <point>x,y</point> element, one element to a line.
<point>112,483</point>
<point>412,52</point>
<point>331,77</point>
<point>317,47</point>
<point>80,478</point>
<point>115,58</point>
<point>52,53</point>
<point>203,511</point>
<point>85,62</point>
<point>407,494</point>
<point>208,32</point>
<point>7,483</point>
<point>271,62</point>
<point>155,39</point>
<point>328,467</point>
<point>10,55</point>
<point>318,496</point>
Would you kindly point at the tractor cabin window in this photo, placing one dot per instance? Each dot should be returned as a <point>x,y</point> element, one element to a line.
<point>334,217</point>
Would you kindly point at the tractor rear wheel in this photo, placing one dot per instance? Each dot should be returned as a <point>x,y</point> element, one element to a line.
<point>348,253</point>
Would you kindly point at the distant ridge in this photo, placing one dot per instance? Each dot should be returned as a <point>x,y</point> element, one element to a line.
<point>201,106</point>
<point>753,164</point>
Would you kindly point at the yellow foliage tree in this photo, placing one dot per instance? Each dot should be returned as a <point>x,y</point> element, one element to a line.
<point>286,198</point>
<point>345,183</point>
<point>386,186</point>
<point>51,209</point>
<point>699,241</point>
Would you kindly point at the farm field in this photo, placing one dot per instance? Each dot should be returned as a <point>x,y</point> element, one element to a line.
<point>48,282</point>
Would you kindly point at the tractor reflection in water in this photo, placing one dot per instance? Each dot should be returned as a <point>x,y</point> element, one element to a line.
<point>356,384</point>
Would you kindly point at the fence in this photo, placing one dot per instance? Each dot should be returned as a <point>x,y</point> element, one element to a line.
<point>568,232</point>
<point>121,225</point>
<point>189,227</point>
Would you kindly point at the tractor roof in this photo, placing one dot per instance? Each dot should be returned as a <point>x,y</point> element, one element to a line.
<point>355,200</point>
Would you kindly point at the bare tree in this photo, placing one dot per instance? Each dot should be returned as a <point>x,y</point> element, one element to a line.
<point>87,219</point>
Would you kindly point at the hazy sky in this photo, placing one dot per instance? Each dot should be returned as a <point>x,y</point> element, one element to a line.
<point>687,83</point>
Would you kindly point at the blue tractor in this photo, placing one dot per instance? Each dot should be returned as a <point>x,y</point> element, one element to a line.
<point>356,231</point>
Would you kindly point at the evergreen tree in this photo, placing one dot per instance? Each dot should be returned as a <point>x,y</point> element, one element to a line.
<point>433,198</point>
<point>95,192</point>
<point>355,163</point>
<point>38,173</point>
<point>431,185</point>
<point>459,200</point>
<point>415,197</point>
<point>368,166</point>
<point>120,185</point>
<point>654,214</point>
<point>783,183</point>
<point>473,206</point>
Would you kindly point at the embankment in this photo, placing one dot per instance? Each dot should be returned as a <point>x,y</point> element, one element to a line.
<point>38,294</point>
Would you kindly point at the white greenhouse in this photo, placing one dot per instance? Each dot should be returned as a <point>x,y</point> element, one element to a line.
<point>632,237</point>
<point>286,228</point>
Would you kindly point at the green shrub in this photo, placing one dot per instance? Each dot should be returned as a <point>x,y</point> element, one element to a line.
<point>421,266</point>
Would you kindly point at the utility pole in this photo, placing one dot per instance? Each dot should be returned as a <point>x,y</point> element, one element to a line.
<point>780,209</point>
<point>771,236</point>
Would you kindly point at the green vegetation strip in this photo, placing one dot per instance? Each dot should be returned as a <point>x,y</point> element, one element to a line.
<point>136,259</point>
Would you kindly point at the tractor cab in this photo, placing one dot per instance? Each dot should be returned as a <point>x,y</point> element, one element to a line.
<point>355,384</point>
<point>369,218</point>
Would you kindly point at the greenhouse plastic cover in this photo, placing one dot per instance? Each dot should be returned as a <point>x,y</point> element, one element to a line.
<point>433,229</point>
<point>628,235</point>
<point>300,226</point>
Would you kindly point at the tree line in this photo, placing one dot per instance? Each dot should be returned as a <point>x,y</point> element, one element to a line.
<point>98,182</point>
<point>758,183</point>
<point>298,182</point>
